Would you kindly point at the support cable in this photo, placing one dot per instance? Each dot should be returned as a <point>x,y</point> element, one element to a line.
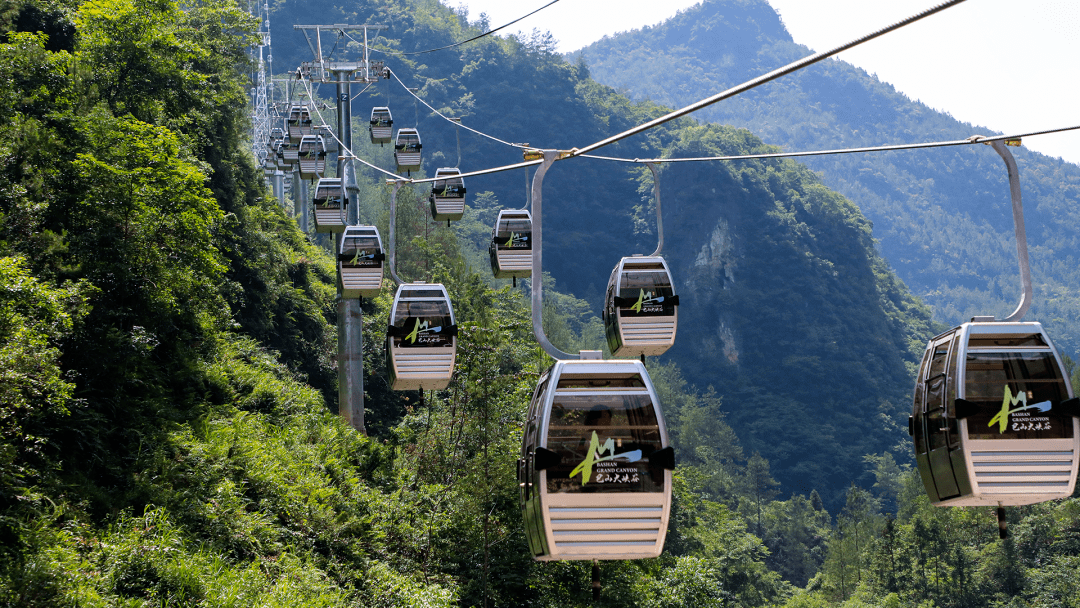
<point>974,139</point>
<point>361,92</point>
<point>342,148</point>
<point>708,101</point>
<point>760,80</point>
<point>450,46</point>
<point>447,119</point>
<point>938,144</point>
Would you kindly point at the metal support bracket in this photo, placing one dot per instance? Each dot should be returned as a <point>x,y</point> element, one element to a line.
<point>659,217</point>
<point>393,232</point>
<point>537,280</point>
<point>1021,234</point>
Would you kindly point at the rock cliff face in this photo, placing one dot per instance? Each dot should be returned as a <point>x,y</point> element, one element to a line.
<point>787,310</point>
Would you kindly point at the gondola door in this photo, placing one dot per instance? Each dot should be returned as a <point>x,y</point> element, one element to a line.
<point>937,431</point>
<point>529,477</point>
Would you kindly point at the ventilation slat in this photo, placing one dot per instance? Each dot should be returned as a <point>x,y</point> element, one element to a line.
<point>1019,472</point>
<point>411,365</point>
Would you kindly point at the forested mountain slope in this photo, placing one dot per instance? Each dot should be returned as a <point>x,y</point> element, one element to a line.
<point>168,434</point>
<point>779,275</point>
<point>942,216</point>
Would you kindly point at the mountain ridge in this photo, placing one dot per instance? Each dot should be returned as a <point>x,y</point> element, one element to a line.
<point>941,216</point>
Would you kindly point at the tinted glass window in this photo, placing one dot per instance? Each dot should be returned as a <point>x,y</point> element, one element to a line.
<point>920,395</point>
<point>325,194</point>
<point>937,360</point>
<point>422,323</point>
<point>453,182</point>
<point>590,381</point>
<point>364,243</point>
<point>514,234</point>
<point>1005,341</point>
<point>422,293</point>
<point>605,441</point>
<point>426,308</point>
<point>1016,392</point>
<point>362,251</point>
<point>515,225</point>
<point>646,293</point>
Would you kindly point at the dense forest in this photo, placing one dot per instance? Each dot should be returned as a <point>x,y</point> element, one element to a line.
<point>168,434</point>
<point>941,216</point>
<point>781,274</point>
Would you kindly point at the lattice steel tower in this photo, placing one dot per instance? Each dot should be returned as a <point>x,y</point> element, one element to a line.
<point>262,92</point>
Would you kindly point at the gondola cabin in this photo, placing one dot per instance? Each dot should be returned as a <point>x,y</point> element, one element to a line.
<point>360,261</point>
<point>275,138</point>
<point>407,150</point>
<point>641,310</point>
<point>312,157</point>
<point>381,128</point>
<point>329,202</point>
<point>279,156</point>
<point>511,244</point>
<point>299,122</point>
<point>447,196</point>
<point>595,468</point>
<point>288,155</point>
<point>994,419</point>
<point>421,341</point>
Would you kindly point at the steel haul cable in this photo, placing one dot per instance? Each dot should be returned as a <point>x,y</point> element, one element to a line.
<point>760,80</point>
<point>450,46</point>
<point>773,75</point>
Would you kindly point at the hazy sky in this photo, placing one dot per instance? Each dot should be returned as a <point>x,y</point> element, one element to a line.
<point>987,62</point>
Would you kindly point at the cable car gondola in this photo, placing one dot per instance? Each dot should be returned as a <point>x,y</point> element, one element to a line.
<point>329,202</point>
<point>288,154</point>
<point>641,309</point>
<point>299,122</point>
<point>447,196</point>
<point>407,149</point>
<point>279,155</point>
<point>994,418</point>
<point>276,137</point>
<point>421,341</point>
<point>382,125</point>
<point>360,261</point>
<point>595,468</point>
<point>311,155</point>
<point>511,244</point>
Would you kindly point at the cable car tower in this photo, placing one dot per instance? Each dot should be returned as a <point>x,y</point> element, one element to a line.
<point>344,73</point>
<point>261,92</point>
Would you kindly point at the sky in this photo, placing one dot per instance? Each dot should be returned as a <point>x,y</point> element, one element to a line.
<point>986,62</point>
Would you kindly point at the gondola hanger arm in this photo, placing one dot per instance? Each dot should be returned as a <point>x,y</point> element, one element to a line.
<point>1018,224</point>
<point>548,157</point>
<point>393,229</point>
<point>659,216</point>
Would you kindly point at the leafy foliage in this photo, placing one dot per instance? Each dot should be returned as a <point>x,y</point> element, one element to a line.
<point>166,435</point>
